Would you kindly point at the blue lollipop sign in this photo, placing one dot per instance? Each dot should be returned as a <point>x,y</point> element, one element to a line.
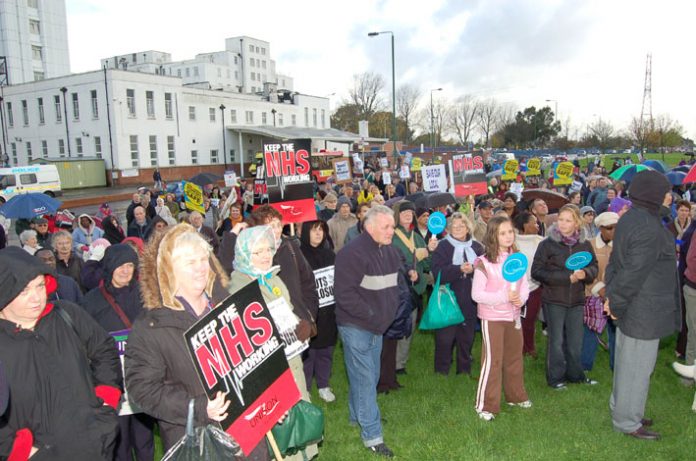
<point>514,268</point>
<point>578,260</point>
<point>437,222</point>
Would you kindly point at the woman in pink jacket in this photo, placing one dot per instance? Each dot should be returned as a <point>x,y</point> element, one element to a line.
<point>499,304</point>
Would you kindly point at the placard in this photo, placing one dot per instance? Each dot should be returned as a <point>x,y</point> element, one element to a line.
<point>534,167</point>
<point>236,348</point>
<point>357,164</point>
<point>121,339</point>
<point>517,188</point>
<point>324,279</point>
<point>468,175</point>
<point>193,197</point>
<point>563,174</point>
<point>404,172</point>
<point>416,164</point>
<point>434,178</point>
<point>386,177</point>
<point>230,178</point>
<point>383,162</point>
<point>341,167</point>
<point>510,169</point>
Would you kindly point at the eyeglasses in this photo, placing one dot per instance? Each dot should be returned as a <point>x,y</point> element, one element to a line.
<point>268,251</point>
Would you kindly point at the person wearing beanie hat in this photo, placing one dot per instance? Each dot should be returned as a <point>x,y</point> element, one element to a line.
<point>588,216</point>
<point>619,206</point>
<point>329,202</point>
<point>642,291</point>
<point>341,221</point>
<point>62,370</point>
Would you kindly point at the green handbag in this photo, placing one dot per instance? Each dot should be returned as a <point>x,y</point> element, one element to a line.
<point>303,426</point>
<point>443,309</point>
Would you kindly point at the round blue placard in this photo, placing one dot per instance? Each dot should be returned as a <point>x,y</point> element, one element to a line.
<point>514,267</point>
<point>437,222</point>
<point>578,260</point>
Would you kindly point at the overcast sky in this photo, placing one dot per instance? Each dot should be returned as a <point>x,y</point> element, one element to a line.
<point>588,55</point>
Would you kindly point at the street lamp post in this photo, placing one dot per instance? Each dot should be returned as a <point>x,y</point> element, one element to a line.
<point>555,113</point>
<point>374,34</point>
<point>432,124</point>
<point>65,112</point>
<point>273,111</point>
<point>224,141</point>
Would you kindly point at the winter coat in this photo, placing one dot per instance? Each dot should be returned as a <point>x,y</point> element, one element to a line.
<point>414,250</point>
<point>402,326</point>
<point>490,291</point>
<point>112,233</point>
<point>85,236</point>
<point>318,258</point>
<point>353,232</point>
<point>641,277</point>
<point>209,235</point>
<point>72,268</point>
<point>338,227</point>
<point>68,290</point>
<point>58,375</point>
<point>142,232</point>
<point>549,269</point>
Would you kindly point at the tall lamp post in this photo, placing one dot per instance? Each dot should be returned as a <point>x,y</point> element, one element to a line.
<point>273,111</point>
<point>224,141</point>
<point>432,124</point>
<point>374,34</point>
<point>555,113</point>
<point>65,113</point>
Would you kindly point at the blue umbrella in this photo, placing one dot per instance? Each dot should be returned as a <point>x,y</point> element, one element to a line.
<point>676,178</point>
<point>656,165</point>
<point>682,168</point>
<point>29,206</point>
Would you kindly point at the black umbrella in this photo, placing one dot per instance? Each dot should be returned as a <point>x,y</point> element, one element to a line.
<point>436,199</point>
<point>203,179</point>
<point>414,197</point>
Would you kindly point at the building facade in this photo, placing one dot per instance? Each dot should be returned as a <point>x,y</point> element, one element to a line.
<point>33,40</point>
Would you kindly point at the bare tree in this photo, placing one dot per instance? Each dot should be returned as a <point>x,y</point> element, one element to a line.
<point>440,117</point>
<point>603,131</point>
<point>463,117</point>
<point>488,113</point>
<point>366,93</point>
<point>407,97</point>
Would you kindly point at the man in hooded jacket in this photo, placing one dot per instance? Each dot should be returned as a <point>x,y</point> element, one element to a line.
<point>643,299</point>
<point>63,370</point>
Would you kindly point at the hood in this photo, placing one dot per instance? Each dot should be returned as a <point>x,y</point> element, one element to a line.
<point>116,256</point>
<point>157,274</point>
<point>138,242</point>
<point>17,269</point>
<point>554,234</point>
<point>247,239</point>
<point>91,220</point>
<point>304,238</point>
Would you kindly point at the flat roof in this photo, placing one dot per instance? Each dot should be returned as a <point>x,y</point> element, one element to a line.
<point>296,132</point>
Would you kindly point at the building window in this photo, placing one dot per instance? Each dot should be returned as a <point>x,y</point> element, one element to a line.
<point>34,27</point>
<point>211,113</point>
<point>194,157</point>
<point>251,62</point>
<point>192,113</point>
<point>97,146</point>
<point>36,53</point>
<point>75,107</point>
<point>228,72</point>
<point>44,149</point>
<point>61,148</point>
<point>236,75</point>
<point>219,71</point>
<point>257,50</point>
<point>168,105</point>
<point>178,72</point>
<point>130,101</point>
<point>232,156</point>
<point>188,72</point>
<point>135,155</point>
<point>30,154</point>
<point>25,112</point>
<point>314,117</point>
<point>150,104</point>
<point>263,64</point>
<point>78,146</point>
<point>42,116</point>
<point>13,146</point>
<point>250,116</point>
<point>250,155</point>
<point>95,104</point>
<point>233,116</point>
<point>195,71</point>
<point>59,112</point>
<point>323,118</point>
<point>214,156</point>
<point>10,115</point>
<point>263,118</point>
<point>171,154</point>
<point>293,119</point>
<point>253,76</point>
<point>280,119</point>
<point>33,3</point>
<point>153,150</point>
<point>306,116</point>
<point>38,75</point>
<point>251,48</point>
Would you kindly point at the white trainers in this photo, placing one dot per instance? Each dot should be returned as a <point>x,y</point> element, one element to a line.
<point>525,404</point>
<point>326,394</point>
<point>486,416</point>
<point>685,371</point>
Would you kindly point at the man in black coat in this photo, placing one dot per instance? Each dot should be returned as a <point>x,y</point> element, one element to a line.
<point>643,298</point>
<point>63,370</point>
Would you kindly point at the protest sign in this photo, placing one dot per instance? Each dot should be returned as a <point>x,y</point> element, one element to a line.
<point>510,169</point>
<point>386,177</point>
<point>416,164</point>
<point>121,340</point>
<point>236,348</point>
<point>383,162</point>
<point>193,197</point>
<point>517,188</point>
<point>534,167</point>
<point>434,178</point>
<point>230,178</point>
<point>357,164</point>
<point>404,172</point>
<point>342,169</point>
<point>324,278</point>
<point>286,173</point>
<point>286,322</point>
<point>563,174</point>
<point>468,175</point>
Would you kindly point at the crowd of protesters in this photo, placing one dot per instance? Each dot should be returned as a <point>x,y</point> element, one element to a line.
<point>162,267</point>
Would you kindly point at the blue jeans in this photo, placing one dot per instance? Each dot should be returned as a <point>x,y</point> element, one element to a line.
<point>590,341</point>
<point>564,345</point>
<point>362,351</point>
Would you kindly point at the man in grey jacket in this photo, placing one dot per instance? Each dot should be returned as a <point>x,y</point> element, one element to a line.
<point>643,298</point>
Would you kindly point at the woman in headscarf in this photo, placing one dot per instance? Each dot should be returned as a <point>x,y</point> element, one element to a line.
<point>253,263</point>
<point>113,231</point>
<point>163,212</point>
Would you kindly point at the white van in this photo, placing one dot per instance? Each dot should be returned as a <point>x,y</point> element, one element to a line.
<point>25,179</point>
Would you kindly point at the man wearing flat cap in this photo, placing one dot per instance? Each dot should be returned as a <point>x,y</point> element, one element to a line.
<point>643,298</point>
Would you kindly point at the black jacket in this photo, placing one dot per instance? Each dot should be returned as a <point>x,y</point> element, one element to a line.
<point>142,232</point>
<point>72,269</point>
<point>641,277</point>
<point>549,269</point>
<point>452,274</point>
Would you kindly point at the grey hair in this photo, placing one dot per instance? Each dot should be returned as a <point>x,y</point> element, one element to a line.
<point>375,210</point>
<point>26,235</point>
<point>59,235</point>
<point>457,215</point>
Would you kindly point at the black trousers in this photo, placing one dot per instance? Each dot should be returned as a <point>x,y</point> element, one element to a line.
<point>136,436</point>
<point>447,339</point>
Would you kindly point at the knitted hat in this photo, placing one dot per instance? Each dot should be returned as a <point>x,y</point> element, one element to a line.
<point>586,209</point>
<point>648,189</point>
<point>343,200</point>
<point>405,205</point>
<point>617,204</point>
<point>420,211</point>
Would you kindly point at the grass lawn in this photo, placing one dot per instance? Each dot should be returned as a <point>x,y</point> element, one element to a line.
<point>432,417</point>
<point>670,159</point>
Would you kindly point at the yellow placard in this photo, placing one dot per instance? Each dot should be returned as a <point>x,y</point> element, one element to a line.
<point>534,167</point>
<point>510,168</point>
<point>416,164</point>
<point>193,197</point>
<point>325,173</point>
<point>563,174</point>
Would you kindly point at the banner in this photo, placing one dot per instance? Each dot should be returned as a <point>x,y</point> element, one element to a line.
<point>434,178</point>
<point>534,167</point>
<point>563,174</point>
<point>342,170</point>
<point>416,164</point>
<point>324,278</point>
<point>193,197</point>
<point>510,170</point>
<point>287,174</point>
<point>468,175</point>
<point>236,349</point>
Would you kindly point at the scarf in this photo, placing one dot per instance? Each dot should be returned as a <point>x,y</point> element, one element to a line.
<point>570,240</point>
<point>460,248</point>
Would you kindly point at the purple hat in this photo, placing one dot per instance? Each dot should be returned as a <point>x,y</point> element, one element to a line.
<point>618,204</point>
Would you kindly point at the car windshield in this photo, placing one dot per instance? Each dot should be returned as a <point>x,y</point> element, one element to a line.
<point>7,180</point>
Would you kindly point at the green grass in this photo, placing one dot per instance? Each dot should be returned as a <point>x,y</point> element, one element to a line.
<point>671,159</point>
